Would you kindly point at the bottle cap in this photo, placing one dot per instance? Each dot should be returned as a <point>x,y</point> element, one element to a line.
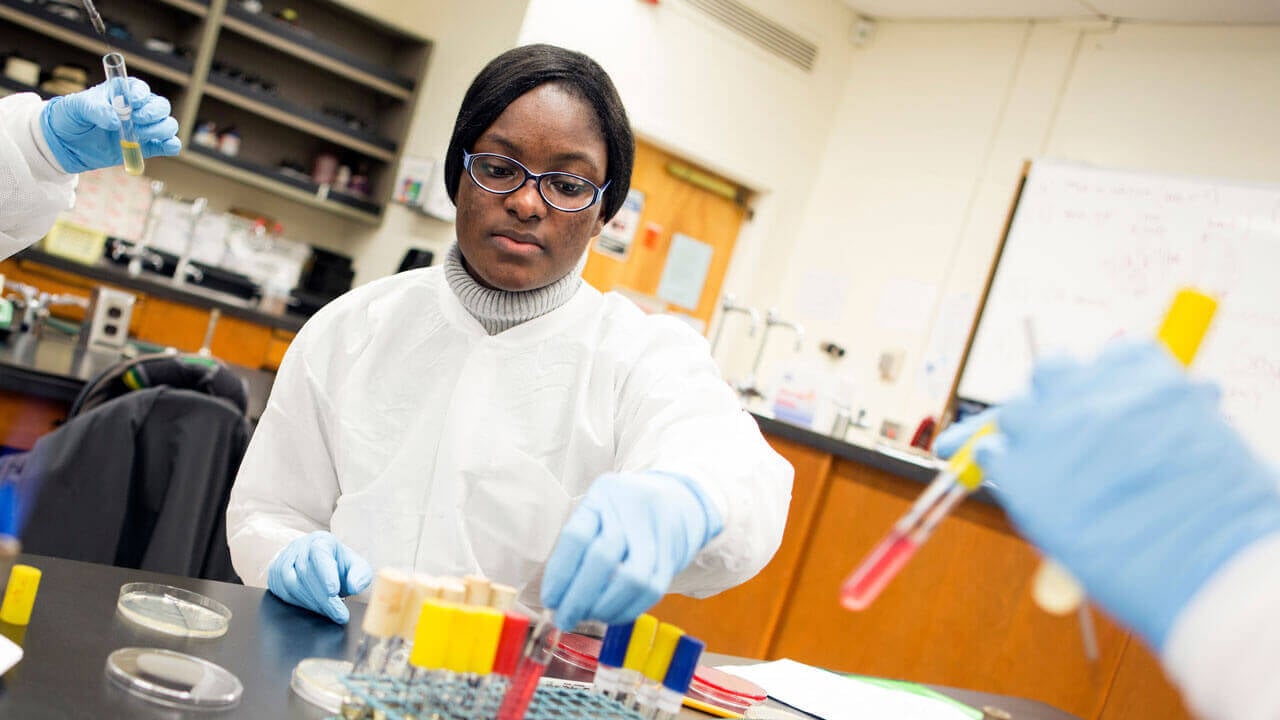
<point>431,637</point>
<point>614,648</point>
<point>421,589</point>
<point>683,664</point>
<point>514,629</point>
<point>488,635</point>
<point>457,656</point>
<point>641,641</point>
<point>502,597</point>
<point>664,646</point>
<point>20,596</point>
<point>477,590</point>
<point>453,590</point>
<point>382,617</point>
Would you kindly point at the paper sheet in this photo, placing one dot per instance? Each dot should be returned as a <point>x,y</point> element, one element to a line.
<point>834,697</point>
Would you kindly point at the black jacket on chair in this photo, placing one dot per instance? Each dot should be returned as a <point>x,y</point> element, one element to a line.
<point>141,481</point>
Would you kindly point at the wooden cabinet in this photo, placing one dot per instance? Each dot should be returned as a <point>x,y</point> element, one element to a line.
<point>960,614</point>
<point>337,82</point>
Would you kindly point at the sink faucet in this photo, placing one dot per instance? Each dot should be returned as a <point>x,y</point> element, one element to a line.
<point>728,304</point>
<point>185,270</point>
<point>747,388</point>
<point>36,303</point>
<point>139,253</point>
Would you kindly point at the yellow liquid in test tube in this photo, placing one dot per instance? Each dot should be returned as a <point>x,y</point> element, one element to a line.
<point>132,152</point>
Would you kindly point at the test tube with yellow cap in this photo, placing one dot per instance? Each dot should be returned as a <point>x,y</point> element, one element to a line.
<point>655,666</point>
<point>119,95</point>
<point>630,676</point>
<point>20,595</point>
<point>427,659</point>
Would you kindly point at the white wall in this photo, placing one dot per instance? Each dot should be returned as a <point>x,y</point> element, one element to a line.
<point>934,124</point>
<point>693,87</point>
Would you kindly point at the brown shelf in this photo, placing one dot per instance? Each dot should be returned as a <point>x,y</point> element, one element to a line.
<point>198,9</point>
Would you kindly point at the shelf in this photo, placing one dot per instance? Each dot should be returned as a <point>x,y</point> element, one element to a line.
<point>267,178</point>
<point>195,7</point>
<point>301,118</point>
<point>18,87</point>
<point>331,57</point>
<point>81,35</point>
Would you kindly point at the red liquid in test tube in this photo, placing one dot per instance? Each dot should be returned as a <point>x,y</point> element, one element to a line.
<point>865,583</point>
<point>520,693</point>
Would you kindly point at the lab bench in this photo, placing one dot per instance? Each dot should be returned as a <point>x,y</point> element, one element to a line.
<point>960,614</point>
<point>74,627</point>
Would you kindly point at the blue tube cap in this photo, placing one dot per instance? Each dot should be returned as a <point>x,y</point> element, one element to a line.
<point>613,650</point>
<point>683,664</point>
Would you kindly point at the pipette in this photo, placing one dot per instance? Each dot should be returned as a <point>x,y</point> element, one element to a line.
<point>94,18</point>
<point>1184,326</point>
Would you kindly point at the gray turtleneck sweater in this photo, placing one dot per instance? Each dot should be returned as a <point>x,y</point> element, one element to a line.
<point>499,310</point>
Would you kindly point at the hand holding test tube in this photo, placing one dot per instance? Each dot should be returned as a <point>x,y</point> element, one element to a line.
<point>85,130</point>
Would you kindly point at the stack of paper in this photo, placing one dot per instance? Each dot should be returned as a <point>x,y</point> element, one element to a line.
<point>835,697</point>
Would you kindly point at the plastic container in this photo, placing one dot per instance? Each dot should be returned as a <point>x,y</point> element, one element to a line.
<point>724,691</point>
<point>574,658</point>
<point>174,679</point>
<point>173,610</point>
<point>319,682</point>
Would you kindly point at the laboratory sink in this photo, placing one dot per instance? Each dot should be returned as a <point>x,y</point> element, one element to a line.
<point>210,278</point>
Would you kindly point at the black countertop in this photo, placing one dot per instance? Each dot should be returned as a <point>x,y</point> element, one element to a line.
<point>162,287</point>
<point>55,367</point>
<point>74,627</point>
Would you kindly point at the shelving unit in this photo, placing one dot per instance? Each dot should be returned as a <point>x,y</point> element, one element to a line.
<point>339,82</point>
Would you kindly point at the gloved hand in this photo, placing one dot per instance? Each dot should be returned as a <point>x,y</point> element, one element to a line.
<point>314,571</point>
<point>83,130</point>
<point>1125,471</point>
<point>624,543</point>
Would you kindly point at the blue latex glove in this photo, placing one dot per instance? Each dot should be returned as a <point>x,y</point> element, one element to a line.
<point>314,571</point>
<point>84,132</point>
<point>624,544</point>
<point>1125,471</point>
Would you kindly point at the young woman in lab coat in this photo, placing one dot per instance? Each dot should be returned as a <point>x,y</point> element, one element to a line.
<point>43,145</point>
<point>497,415</point>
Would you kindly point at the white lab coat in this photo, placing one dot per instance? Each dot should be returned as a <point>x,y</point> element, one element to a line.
<point>419,440</point>
<point>1223,650</point>
<point>33,187</point>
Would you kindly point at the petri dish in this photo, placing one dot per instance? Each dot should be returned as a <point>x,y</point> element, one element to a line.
<point>173,610</point>
<point>319,682</point>
<point>173,679</point>
<point>574,658</point>
<point>725,691</point>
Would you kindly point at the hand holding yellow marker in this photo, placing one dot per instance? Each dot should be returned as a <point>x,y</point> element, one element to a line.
<point>1184,326</point>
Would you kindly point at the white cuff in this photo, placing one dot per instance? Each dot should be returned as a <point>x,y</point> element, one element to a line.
<point>1224,647</point>
<point>39,156</point>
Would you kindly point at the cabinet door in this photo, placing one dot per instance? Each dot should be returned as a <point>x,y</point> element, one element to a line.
<point>960,614</point>
<point>279,343</point>
<point>741,620</point>
<point>58,281</point>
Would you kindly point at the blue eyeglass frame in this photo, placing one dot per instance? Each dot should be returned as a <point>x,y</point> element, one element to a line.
<point>467,157</point>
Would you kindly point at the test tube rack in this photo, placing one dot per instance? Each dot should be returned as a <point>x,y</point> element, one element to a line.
<point>448,696</point>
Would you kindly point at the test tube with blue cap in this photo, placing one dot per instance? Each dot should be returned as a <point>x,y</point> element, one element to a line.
<point>684,663</point>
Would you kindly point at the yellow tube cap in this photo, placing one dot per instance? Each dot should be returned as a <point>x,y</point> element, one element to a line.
<point>1186,323</point>
<point>457,656</point>
<point>431,637</point>
<point>488,633</point>
<point>641,641</point>
<point>664,646</point>
<point>967,472</point>
<point>20,596</point>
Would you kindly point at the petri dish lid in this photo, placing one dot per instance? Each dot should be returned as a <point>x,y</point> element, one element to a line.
<point>173,679</point>
<point>319,682</point>
<point>722,683</point>
<point>173,610</point>
<point>580,650</point>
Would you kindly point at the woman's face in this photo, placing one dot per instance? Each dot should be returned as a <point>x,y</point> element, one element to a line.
<point>517,242</point>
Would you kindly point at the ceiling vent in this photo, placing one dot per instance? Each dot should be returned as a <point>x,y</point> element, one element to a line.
<point>760,30</point>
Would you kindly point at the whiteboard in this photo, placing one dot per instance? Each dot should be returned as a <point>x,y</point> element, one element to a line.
<point>1092,254</point>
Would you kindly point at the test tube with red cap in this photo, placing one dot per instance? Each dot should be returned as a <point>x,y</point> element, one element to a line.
<point>529,670</point>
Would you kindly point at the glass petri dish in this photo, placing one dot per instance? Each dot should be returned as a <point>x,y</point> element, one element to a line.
<point>173,610</point>
<point>319,682</point>
<point>725,691</point>
<point>575,657</point>
<point>173,679</point>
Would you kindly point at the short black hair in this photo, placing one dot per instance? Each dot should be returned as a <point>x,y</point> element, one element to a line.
<point>516,72</point>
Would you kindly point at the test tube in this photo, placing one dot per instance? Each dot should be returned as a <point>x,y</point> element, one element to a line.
<point>613,651</point>
<point>421,589</point>
<point>630,676</point>
<point>426,660</point>
<point>502,597</point>
<point>382,619</point>
<point>656,666</point>
<point>488,635</point>
<point>533,663</point>
<point>515,627</point>
<point>679,675</point>
<point>477,589</point>
<point>121,102</point>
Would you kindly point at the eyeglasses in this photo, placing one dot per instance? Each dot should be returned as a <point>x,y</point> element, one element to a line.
<point>502,175</point>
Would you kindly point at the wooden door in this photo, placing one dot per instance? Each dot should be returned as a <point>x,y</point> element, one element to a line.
<point>672,205</point>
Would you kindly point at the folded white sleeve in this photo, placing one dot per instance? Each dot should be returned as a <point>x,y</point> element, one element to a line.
<point>33,187</point>
<point>1223,651</point>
